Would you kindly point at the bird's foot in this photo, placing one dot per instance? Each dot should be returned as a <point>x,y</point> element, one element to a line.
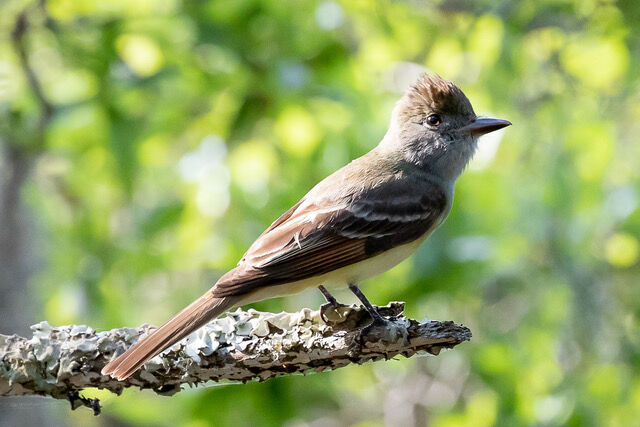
<point>334,312</point>
<point>381,329</point>
<point>376,323</point>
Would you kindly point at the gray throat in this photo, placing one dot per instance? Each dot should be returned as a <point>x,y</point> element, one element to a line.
<point>444,159</point>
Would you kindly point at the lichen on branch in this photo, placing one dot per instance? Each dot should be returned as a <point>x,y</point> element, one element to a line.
<point>242,346</point>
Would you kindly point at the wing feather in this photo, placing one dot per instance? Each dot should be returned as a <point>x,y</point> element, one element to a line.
<point>314,238</point>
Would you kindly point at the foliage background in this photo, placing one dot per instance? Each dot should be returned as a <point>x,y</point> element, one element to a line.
<point>158,138</point>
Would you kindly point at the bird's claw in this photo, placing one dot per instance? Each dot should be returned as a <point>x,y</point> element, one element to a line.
<point>331,313</point>
<point>377,324</point>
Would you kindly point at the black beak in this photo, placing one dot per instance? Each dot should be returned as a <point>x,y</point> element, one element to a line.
<point>483,125</point>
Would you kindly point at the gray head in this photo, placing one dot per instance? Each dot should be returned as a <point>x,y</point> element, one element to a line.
<point>435,127</point>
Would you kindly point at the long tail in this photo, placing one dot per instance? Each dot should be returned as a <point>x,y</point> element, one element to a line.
<point>182,324</point>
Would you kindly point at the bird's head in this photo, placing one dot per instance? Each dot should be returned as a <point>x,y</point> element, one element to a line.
<point>435,127</point>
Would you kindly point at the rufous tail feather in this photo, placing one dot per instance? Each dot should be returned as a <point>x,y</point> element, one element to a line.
<point>182,324</point>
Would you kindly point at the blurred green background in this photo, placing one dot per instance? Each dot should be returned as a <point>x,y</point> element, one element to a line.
<point>145,145</point>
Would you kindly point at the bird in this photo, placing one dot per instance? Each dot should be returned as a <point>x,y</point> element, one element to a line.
<point>359,222</point>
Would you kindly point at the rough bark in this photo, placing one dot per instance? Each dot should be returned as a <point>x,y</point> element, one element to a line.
<point>243,346</point>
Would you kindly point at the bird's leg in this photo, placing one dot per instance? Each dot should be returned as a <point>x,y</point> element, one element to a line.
<point>373,312</point>
<point>330,298</point>
<point>331,304</point>
<point>380,328</point>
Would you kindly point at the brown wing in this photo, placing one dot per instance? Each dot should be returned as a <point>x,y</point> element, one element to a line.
<point>314,238</point>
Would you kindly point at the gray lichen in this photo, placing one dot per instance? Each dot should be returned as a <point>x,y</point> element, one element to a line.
<point>242,346</point>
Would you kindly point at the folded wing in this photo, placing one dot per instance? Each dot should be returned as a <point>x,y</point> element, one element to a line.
<point>316,237</point>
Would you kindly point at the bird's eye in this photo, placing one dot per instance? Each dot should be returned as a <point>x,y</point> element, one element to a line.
<point>434,120</point>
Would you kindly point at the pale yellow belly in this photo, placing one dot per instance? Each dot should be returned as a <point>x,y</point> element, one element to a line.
<point>341,277</point>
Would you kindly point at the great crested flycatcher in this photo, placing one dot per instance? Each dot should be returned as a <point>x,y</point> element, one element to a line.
<point>356,223</point>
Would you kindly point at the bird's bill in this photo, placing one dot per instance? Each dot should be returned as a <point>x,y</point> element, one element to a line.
<point>484,125</point>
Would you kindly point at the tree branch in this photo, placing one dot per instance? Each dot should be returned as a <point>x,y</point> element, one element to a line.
<point>243,346</point>
<point>17,36</point>
<point>47,109</point>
